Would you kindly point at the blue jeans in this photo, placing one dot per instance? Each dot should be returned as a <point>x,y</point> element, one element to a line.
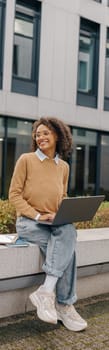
<point>58,244</point>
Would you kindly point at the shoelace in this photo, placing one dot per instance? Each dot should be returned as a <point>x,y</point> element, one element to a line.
<point>48,301</point>
<point>70,310</point>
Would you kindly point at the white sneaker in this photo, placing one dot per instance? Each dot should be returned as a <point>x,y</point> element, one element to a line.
<point>45,304</point>
<point>70,317</point>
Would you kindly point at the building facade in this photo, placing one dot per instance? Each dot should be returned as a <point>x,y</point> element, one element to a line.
<point>54,61</point>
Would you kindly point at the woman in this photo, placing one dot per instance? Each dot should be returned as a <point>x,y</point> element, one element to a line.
<point>37,188</point>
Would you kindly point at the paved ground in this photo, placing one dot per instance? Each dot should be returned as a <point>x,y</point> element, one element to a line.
<point>26,332</point>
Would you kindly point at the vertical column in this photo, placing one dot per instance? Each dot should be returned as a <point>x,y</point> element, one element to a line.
<point>102,67</point>
<point>8,45</point>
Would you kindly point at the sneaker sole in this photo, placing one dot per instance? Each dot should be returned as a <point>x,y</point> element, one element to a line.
<point>76,328</point>
<point>40,314</point>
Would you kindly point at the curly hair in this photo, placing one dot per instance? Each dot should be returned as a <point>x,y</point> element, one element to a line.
<point>64,142</point>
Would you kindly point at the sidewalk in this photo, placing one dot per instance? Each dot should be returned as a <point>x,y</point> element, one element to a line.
<point>27,332</point>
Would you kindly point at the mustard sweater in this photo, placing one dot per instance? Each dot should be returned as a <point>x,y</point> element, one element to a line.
<point>38,186</point>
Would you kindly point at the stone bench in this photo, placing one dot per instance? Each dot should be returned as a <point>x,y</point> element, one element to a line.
<point>20,270</point>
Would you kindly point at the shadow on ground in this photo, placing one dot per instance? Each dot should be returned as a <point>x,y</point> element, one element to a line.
<point>27,332</point>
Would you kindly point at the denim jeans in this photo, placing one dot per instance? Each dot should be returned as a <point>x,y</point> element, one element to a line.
<point>58,244</point>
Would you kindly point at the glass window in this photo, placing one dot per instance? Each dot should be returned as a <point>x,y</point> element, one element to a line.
<point>2,20</point>
<point>104,166</point>
<point>23,27</point>
<point>92,164</point>
<point>84,162</point>
<point>15,139</point>
<point>81,132</point>
<point>12,122</point>
<point>106,87</point>
<point>26,47</point>
<point>1,151</point>
<point>88,63</point>
<point>18,142</point>
<point>23,41</point>
<point>82,83</point>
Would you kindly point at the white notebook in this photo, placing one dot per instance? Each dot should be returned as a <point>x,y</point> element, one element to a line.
<point>8,238</point>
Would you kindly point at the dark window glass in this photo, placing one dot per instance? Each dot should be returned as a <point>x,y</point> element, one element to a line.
<point>79,176</point>
<point>104,166</point>
<point>12,122</point>
<point>18,142</point>
<point>26,47</point>
<point>2,21</point>
<point>84,162</point>
<point>81,132</point>
<point>15,139</point>
<point>97,0</point>
<point>92,165</point>
<point>1,151</point>
<point>88,63</point>
<point>23,41</point>
<point>106,87</point>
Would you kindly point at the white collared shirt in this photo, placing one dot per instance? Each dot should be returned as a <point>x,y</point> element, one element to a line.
<point>43,156</point>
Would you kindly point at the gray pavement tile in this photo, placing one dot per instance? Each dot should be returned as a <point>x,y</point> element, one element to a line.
<point>27,332</point>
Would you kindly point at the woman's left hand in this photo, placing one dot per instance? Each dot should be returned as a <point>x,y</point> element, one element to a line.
<point>47,217</point>
<point>51,216</point>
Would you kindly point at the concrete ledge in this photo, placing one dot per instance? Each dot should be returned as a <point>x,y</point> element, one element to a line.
<point>20,270</point>
<point>19,261</point>
<point>93,246</point>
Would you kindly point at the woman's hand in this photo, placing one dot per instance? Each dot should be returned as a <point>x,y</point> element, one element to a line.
<point>47,217</point>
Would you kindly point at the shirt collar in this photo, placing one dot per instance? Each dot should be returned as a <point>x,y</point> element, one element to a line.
<point>43,156</point>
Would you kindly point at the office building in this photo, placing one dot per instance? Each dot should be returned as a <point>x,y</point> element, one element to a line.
<point>54,61</point>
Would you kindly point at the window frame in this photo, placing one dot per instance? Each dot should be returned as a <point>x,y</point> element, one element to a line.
<point>2,29</point>
<point>106,98</point>
<point>25,85</point>
<point>89,29</point>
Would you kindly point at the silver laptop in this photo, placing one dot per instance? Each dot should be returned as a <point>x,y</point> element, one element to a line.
<point>75,209</point>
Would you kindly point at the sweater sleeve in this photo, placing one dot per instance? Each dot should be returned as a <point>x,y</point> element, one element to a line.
<point>16,190</point>
<point>66,177</point>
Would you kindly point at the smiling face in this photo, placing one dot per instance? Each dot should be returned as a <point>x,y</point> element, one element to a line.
<point>46,140</point>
